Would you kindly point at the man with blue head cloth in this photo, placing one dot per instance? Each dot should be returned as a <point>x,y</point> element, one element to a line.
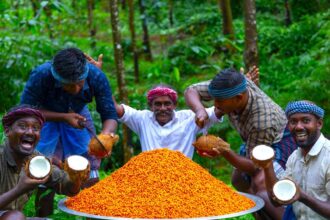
<point>61,89</point>
<point>308,166</point>
<point>258,120</point>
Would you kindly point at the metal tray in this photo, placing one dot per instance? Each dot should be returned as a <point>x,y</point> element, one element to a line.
<point>259,204</point>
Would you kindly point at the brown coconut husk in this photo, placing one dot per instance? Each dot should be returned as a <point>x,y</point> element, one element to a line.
<point>261,163</point>
<point>27,167</point>
<point>76,175</point>
<point>96,149</point>
<point>206,143</point>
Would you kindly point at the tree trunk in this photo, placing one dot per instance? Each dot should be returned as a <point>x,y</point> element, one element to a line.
<point>250,23</point>
<point>73,3</point>
<point>170,12</point>
<point>49,20</point>
<point>91,25</point>
<point>119,61</point>
<point>16,5</point>
<point>227,24</point>
<point>146,42</point>
<point>133,38</point>
<point>123,4</point>
<point>288,20</point>
<point>34,4</point>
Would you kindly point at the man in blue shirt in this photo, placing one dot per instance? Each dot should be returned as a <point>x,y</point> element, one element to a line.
<point>61,89</point>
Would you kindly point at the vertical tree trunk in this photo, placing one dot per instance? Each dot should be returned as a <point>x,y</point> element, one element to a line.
<point>123,4</point>
<point>170,12</point>
<point>251,48</point>
<point>49,20</point>
<point>133,38</point>
<point>34,4</point>
<point>227,24</point>
<point>119,61</point>
<point>288,20</point>
<point>73,3</point>
<point>16,5</point>
<point>146,42</point>
<point>91,25</point>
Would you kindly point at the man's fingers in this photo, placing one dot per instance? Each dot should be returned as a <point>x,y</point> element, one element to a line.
<point>89,58</point>
<point>100,58</point>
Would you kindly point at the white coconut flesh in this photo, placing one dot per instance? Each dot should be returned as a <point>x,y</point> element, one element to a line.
<point>263,152</point>
<point>39,167</point>
<point>77,162</point>
<point>284,190</point>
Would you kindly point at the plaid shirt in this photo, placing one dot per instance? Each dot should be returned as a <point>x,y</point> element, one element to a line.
<point>261,122</point>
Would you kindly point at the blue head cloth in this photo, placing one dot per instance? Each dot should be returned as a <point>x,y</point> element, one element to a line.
<point>303,107</point>
<point>67,81</point>
<point>227,93</point>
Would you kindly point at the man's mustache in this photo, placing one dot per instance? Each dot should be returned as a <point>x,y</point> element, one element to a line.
<point>157,112</point>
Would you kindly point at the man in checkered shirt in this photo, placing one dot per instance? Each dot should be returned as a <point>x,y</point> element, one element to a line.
<point>258,120</point>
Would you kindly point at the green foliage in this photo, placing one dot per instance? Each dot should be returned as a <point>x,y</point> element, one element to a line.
<point>299,64</point>
<point>300,8</point>
<point>18,55</point>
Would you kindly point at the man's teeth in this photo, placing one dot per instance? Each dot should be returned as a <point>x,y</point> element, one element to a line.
<point>301,135</point>
<point>27,145</point>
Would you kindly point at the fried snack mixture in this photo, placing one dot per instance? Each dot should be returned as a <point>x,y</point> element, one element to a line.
<point>160,184</point>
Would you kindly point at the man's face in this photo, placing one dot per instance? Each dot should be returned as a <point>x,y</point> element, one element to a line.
<point>163,108</point>
<point>23,135</point>
<point>73,88</point>
<point>226,106</point>
<point>305,128</point>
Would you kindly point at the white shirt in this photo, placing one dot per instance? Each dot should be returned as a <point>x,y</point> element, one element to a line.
<point>312,174</point>
<point>177,134</point>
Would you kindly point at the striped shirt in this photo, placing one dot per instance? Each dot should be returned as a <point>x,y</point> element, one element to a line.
<point>10,174</point>
<point>261,122</point>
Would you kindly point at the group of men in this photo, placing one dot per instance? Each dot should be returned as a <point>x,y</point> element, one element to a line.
<point>59,92</point>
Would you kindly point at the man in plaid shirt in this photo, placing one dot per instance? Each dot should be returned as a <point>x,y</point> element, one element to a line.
<point>258,120</point>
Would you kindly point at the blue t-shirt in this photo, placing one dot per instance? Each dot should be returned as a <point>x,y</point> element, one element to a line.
<point>44,91</point>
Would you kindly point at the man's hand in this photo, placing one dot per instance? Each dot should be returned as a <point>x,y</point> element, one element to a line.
<point>214,153</point>
<point>97,63</point>
<point>252,74</point>
<point>218,112</point>
<point>221,146</point>
<point>201,117</point>
<point>26,183</point>
<point>217,150</point>
<point>295,198</point>
<point>75,120</point>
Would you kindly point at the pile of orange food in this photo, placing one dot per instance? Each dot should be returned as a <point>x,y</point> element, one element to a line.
<point>160,184</point>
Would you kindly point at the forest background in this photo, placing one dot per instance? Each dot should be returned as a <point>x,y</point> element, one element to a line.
<point>172,42</point>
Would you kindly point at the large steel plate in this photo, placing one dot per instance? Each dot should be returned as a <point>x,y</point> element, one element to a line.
<point>258,201</point>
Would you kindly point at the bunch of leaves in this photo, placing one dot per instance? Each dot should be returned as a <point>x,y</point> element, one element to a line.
<point>300,8</point>
<point>18,56</point>
<point>294,61</point>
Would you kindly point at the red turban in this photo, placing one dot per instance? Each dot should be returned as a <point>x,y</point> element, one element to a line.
<point>20,112</point>
<point>162,91</point>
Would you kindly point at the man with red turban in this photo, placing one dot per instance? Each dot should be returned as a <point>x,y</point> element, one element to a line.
<point>162,126</point>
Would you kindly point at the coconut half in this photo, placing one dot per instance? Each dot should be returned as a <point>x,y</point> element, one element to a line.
<point>77,167</point>
<point>39,167</point>
<point>263,153</point>
<point>284,190</point>
<point>77,162</point>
